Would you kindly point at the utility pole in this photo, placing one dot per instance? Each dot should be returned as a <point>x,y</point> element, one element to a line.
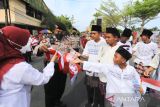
<point>99,21</point>
<point>8,5</point>
<point>6,12</point>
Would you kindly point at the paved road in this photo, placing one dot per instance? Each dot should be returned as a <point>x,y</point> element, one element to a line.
<point>74,96</point>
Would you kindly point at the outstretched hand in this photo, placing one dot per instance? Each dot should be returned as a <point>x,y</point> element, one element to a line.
<point>54,58</point>
<point>77,60</point>
<point>146,73</point>
<point>44,48</point>
<point>78,54</point>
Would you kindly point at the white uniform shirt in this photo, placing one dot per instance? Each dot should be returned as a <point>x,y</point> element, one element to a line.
<point>128,46</point>
<point>155,63</point>
<point>105,56</point>
<point>15,87</point>
<point>118,81</point>
<point>145,52</point>
<point>91,49</point>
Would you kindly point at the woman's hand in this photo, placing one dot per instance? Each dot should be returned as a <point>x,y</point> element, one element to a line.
<point>77,60</point>
<point>44,48</point>
<point>54,58</point>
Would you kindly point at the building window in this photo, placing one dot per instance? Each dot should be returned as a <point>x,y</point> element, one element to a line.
<point>1,4</point>
<point>30,11</point>
<point>38,15</point>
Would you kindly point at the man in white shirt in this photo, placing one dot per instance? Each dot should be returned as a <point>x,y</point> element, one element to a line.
<point>154,64</point>
<point>106,53</point>
<point>154,72</point>
<point>122,79</point>
<point>144,51</point>
<point>91,51</point>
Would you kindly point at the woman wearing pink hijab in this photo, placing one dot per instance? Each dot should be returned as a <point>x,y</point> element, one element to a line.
<point>17,76</point>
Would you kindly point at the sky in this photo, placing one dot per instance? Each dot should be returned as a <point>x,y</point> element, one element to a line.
<point>83,11</point>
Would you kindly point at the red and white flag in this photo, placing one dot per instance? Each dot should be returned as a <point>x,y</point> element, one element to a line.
<point>34,41</point>
<point>64,63</point>
<point>150,83</point>
<point>73,69</point>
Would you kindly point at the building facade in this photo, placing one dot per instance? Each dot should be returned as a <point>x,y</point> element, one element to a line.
<point>23,13</point>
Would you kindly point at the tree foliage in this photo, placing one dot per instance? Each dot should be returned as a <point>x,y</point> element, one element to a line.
<point>65,20</point>
<point>145,11</point>
<point>140,11</point>
<point>50,20</point>
<point>112,15</point>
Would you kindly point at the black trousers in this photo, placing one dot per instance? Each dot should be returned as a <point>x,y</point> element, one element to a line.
<point>54,89</point>
<point>94,96</point>
<point>27,56</point>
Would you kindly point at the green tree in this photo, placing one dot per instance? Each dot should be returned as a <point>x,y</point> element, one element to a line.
<point>112,15</point>
<point>66,21</point>
<point>145,11</point>
<point>49,21</point>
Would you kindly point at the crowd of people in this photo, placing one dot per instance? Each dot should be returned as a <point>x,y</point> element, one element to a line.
<point>110,74</point>
<point>115,66</point>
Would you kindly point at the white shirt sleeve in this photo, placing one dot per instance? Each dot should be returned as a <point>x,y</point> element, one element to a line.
<point>33,77</point>
<point>130,48</point>
<point>137,81</point>
<point>85,51</point>
<point>100,53</point>
<point>155,51</point>
<point>95,67</point>
<point>155,61</point>
<point>137,76</point>
<point>134,49</point>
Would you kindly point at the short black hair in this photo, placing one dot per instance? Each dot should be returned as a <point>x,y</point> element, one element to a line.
<point>147,33</point>
<point>124,53</point>
<point>113,31</point>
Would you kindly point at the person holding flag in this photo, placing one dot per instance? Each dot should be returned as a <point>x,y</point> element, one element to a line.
<point>54,89</point>
<point>123,81</point>
<point>144,51</point>
<point>16,75</point>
